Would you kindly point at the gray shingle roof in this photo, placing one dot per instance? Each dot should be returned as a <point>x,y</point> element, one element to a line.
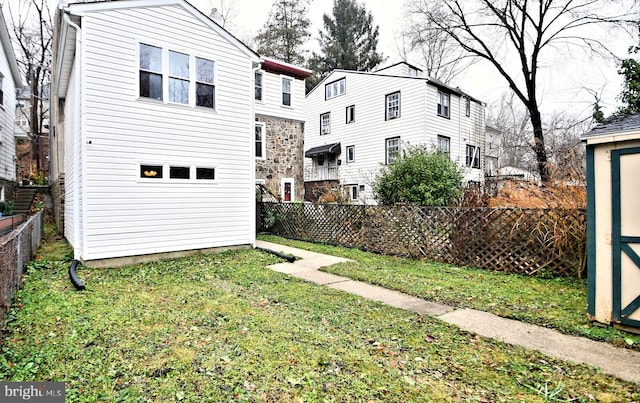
<point>616,124</point>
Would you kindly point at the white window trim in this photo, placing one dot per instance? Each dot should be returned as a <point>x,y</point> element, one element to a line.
<point>438,143</point>
<point>293,90</point>
<point>347,153</point>
<point>350,109</point>
<point>166,180</point>
<point>264,140</point>
<point>293,190</point>
<point>261,100</point>
<point>386,149</point>
<point>353,187</point>
<point>474,158</point>
<point>387,115</point>
<point>337,93</point>
<point>447,96</point>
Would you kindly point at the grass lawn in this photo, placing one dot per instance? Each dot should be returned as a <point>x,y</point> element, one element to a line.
<point>222,327</point>
<point>559,303</point>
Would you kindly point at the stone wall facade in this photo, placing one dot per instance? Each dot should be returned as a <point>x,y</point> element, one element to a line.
<point>284,155</point>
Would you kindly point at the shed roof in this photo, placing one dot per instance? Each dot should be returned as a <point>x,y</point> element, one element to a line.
<point>621,124</point>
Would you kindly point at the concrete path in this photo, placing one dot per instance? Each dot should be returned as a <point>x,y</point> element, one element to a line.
<point>622,363</point>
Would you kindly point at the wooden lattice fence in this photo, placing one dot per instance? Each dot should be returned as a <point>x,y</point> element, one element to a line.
<point>525,241</point>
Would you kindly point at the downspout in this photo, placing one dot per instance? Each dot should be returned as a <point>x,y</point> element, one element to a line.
<point>252,156</point>
<point>76,144</point>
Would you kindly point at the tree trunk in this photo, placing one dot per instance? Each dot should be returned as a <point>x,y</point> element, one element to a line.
<point>35,124</point>
<point>538,144</point>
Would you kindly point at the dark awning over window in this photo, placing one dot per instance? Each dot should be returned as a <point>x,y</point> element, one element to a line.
<point>325,149</point>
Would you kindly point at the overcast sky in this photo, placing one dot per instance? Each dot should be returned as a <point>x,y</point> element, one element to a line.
<point>562,85</point>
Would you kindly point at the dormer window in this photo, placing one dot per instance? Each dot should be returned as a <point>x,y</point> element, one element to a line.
<point>335,88</point>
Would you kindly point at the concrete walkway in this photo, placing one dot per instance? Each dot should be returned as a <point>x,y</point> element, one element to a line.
<point>622,363</point>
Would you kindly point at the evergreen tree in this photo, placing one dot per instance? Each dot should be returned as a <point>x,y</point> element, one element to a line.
<point>285,32</point>
<point>630,70</point>
<point>349,41</point>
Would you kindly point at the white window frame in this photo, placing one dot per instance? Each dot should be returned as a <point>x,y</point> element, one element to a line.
<point>388,158</point>
<point>283,181</point>
<point>176,78</point>
<point>291,91</point>
<point>351,150</point>
<point>263,141</point>
<point>472,160</point>
<point>165,75</point>
<point>467,107</point>
<point>441,140</point>
<point>444,104</point>
<point>325,126</point>
<point>392,106</point>
<point>351,114</point>
<point>335,88</point>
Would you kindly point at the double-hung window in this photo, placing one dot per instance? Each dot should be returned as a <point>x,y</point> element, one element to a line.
<point>443,104</point>
<point>150,72</point>
<point>444,144</point>
<point>178,77</point>
<point>351,153</point>
<point>258,86</point>
<point>392,103</point>
<point>473,156</point>
<point>392,149</point>
<point>325,123</point>
<point>205,88</point>
<point>467,107</point>
<point>260,141</point>
<point>287,84</point>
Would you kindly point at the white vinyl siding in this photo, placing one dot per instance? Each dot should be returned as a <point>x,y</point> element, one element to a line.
<point>7,122</point>
<point>419,124</point>
<point>129,215</point>
<point>271,103</point>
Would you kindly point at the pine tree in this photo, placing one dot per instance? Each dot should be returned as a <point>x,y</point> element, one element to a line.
<point>286,31</point>
<point>630,70</point>
<point>349,40</point>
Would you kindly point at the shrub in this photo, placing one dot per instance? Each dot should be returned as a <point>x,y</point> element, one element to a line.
<point>421,176</point>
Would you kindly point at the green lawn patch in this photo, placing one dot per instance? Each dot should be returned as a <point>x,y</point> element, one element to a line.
<point>222,327</point>
<point>557,303</point>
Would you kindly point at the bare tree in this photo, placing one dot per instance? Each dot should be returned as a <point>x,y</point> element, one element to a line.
<point>223,13</point>
<point>32,28</point>
<point>518,37</point>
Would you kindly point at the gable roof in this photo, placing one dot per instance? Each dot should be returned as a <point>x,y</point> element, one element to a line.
<point>431,81</point>
<point>73,12</point>
<point>8,51</point>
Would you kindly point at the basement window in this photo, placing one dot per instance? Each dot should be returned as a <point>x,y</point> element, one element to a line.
<point>179,172</point>
<point>206,173</point>
<point>151,171</point>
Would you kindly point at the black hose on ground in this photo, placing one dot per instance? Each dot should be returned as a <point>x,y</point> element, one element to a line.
<point>74,277</point>
<point>288,258</point>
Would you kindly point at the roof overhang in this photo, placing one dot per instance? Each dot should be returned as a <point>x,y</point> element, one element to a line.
<point>280,67</point>
<point>324,149</point>
<point>610,137</point>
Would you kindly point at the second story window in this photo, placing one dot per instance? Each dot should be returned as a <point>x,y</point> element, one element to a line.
<point>351,153</point>
<point>443,104</point>
<point>467,107</point>
<point>205,89</point>
<point>1,89</point>
<point>325,123</point>
<point>335,88</point>
<point>444,144</point>
<point>351,114</point>
<point>150,71</point>
<point>178,77</point>
<point>392,102</point>
<point>258,86</point>
<point>473,156</point>
<point>286,91</point>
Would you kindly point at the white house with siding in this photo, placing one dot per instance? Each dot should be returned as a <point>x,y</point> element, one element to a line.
<point>279,127</point>
<point>9,81</point>
<point>153,124</point>
<point>358,121</point>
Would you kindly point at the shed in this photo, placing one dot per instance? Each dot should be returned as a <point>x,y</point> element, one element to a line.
<point>613,214</point>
